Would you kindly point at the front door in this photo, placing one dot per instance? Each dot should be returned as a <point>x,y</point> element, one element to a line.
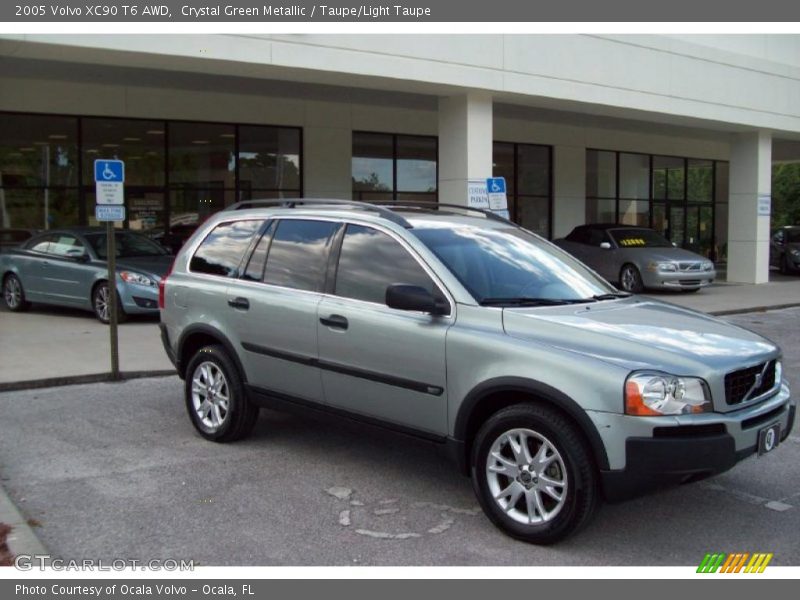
<point>377,361</point>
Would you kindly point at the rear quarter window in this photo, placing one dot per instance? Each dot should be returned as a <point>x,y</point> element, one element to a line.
<point>221,252</point>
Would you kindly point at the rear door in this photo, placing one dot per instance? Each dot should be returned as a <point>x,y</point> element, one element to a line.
<point>377,361</point>
<point>274,305</point>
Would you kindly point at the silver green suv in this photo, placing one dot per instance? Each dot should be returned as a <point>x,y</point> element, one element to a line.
<point>546,385</point>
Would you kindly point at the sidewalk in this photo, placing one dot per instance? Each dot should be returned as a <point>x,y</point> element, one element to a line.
<point>53,344</point>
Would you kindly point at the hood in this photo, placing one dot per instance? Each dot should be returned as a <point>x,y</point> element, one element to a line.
<point>148,265</point>
<point>665,254</point>
<point>641,334</point>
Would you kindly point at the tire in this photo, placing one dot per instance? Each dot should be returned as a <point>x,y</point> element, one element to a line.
<point>226,421</point>
<point>548,520</point>
<point>100,304</point>
<point>630,280</point>
<point>14,294</point>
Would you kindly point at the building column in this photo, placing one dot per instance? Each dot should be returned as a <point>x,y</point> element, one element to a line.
<point>465,143</point>
<point>569,188</point>
<point>748,231</point>
<point>327,151</point>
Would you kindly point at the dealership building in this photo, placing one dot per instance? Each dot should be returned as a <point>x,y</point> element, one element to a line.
<point>674,132</point>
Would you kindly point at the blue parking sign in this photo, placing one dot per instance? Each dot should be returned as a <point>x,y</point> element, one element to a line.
<point>109,171</point>
<point>496,185</point>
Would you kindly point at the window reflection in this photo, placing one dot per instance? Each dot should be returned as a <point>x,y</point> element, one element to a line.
<point>298,255</point>
<point>371,261</point>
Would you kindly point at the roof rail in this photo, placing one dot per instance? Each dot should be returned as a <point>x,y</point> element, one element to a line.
<point>293,203</point>
<point>430,204</point>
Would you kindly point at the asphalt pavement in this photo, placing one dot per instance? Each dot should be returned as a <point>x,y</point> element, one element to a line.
<point>115,470</point>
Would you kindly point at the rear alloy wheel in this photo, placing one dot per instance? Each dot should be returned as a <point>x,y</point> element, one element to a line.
<point>630,279</point>
<point>14,294</point>
<point>101,302</point>
<point>215,397</point>
<point>533,474</point>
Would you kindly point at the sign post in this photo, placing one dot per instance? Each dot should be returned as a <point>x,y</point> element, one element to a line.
<point>109,177</point>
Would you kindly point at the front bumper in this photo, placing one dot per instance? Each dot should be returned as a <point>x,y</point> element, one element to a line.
<point>684,449</point>
<point>138,299</point>
<point>678,280</point>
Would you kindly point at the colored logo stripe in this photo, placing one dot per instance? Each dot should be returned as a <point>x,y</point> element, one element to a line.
<point>733,563</point>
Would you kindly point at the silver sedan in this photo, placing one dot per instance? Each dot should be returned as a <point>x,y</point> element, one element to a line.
<point>637,258</point>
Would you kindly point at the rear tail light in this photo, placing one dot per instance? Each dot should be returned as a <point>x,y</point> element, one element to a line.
<point>161,287</point>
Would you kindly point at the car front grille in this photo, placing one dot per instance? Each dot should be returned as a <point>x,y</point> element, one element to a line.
<point>690,266</point>
<point>752,382</point>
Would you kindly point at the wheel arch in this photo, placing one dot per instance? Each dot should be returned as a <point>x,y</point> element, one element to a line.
<point>493,395</point>
<point>195,337</point>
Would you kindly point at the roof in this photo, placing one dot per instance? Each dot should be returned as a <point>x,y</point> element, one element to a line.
<point>606,226</point>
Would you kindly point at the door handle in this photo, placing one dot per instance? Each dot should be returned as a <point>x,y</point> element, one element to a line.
<point>334,322</point>
<point>240,303</point>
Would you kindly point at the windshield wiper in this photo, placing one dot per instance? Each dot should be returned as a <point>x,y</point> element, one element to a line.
<point>526,301</point>
<point>611,296</point>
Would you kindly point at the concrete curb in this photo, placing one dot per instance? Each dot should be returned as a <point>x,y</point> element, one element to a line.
<point>31,384</point>
<point>749,309</point>
<point>22,539</point>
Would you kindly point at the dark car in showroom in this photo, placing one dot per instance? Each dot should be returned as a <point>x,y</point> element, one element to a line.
<point>68,267</point>
<point>784,249</point>
<point>638,258</point>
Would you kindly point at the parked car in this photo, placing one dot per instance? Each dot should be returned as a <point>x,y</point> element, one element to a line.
<point>784,249</point>
<point>546,385</point>
<point>11,238</point>
<point>173,240</point>
<point>67,267</point>
<point>637,258</point>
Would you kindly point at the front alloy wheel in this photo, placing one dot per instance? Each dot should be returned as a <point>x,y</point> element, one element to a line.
<point>631,280</point>
<point>526,476</point>
<point>101,301</point>
<point>13,294</point>
<point>533,473</point>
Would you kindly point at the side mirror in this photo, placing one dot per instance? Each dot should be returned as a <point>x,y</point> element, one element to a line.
<point>674,244</point>
<point>605,245</point>
<point>413,297</point>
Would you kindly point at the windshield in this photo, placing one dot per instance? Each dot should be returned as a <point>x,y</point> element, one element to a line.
<point>793,236</point>
<point>639,238</point>
<point>128,245</point>
<point>511,266</point>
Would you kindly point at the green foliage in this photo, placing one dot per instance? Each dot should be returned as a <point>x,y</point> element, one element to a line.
<point>785,194</point>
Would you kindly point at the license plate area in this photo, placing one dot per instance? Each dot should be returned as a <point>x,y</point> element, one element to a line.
<point>768,438</point>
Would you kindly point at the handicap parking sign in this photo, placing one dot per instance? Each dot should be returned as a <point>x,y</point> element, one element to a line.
<point>108,170</point>
<point>496,185</point>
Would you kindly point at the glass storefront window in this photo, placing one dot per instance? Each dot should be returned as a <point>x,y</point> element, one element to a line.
<point>526,168</point>
<point>139,143</point>
<point>601,174</point>
<point>38,208</point>
<point>634,212</point>
<point>700,180</point>
<point>601,211</point>
<point>533,163</point>
<point>634,176</point>
<point>269,158</point>
<point>668,178</point>
<point>416,164</point>
<point>373,163</point>
<point>38,151</point>
<point>201,155</point>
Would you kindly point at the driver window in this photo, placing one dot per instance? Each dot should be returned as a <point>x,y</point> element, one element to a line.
<point>370,261</point>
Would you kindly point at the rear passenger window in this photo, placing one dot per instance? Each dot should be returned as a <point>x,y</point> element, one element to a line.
<point>222,250</point>
<point>298,255</point>
<point>371,261</point>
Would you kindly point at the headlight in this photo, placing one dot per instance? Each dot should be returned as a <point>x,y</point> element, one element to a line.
<point>136,278</point>
<point>655,394</point>
<point>778,372</point>
<point>665,267</point>
<point>708,265</point>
